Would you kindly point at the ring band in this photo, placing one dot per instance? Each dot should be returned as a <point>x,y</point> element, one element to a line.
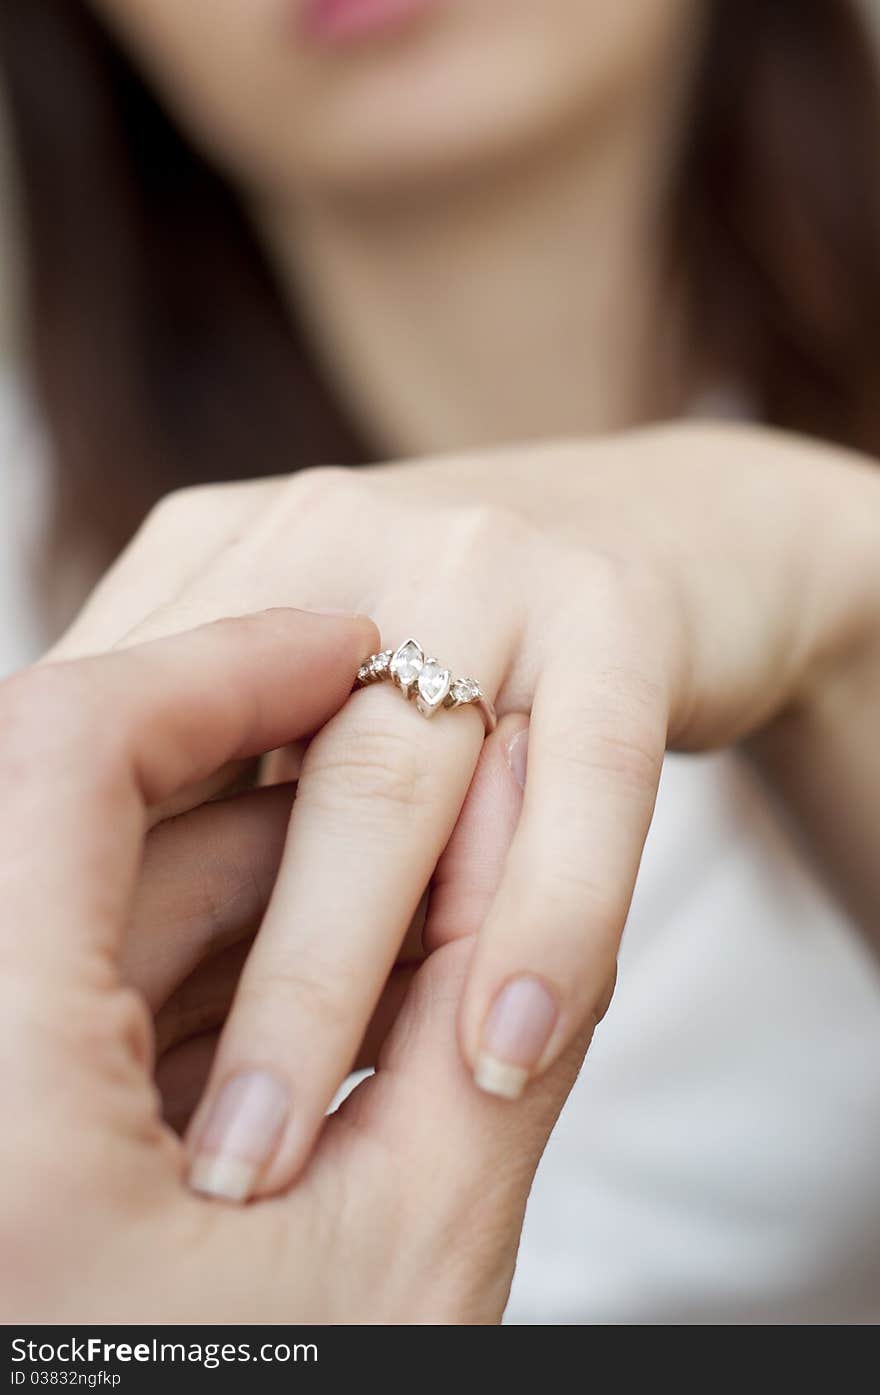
<point>425,682</point>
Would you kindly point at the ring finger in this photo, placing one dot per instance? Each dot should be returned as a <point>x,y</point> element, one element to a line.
<point>379,794</point>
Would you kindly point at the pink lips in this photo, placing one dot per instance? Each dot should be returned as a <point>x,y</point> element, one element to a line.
<point>339,20</point>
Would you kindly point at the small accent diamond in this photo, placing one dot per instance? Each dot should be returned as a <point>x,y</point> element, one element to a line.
<point>465,690</point>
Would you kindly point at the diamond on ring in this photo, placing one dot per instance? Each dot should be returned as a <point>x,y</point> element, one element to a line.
<point>425,680</point>
<point>375,667</point>
<point>407,663</point>
<point>434,684</point>
<point>465,690</point>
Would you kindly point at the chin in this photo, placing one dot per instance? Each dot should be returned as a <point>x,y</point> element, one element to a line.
<point>359,144</point>
<point>454,123</point>
<point>465,84</point>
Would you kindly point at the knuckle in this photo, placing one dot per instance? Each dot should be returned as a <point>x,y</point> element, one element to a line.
<point>368,763</point>
<point>619,738</point>
<point>322,487</point>
<point>316,996</point>
<point>602,905</point>
<point>179,507</point>
<point>618,582</point>
<point>84,1033</point>
<point>115,1033</point>
<point>630,755</point>
<point>51,703</point>
<point>575,901</point>
<point>476,528</point>
<point>632,599</point>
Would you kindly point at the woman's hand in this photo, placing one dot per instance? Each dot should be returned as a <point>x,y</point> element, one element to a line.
<point>686,587</point>
<point>92,1180</point>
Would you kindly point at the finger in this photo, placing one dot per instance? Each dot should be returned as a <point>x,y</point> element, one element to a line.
<point>469,872</point>
<point>275,768</point>
<point>202,1005</point>
<point>378,796</point>
<point>385,1015</point>
<point>234,778</point>
<point>177,540</point>
<point>205,882</point>
<point>122,732</point>
<point>202,1001</point>
<point>180,1077</point>
<point>183,1068</point>
<point>544,961</point>
<point>207,875</point>
<point>477,1156</point>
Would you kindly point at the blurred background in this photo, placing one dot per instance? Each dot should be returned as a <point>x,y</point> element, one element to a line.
<point>7,276</point>
<point>7,260</point>
<point>717,1159</point>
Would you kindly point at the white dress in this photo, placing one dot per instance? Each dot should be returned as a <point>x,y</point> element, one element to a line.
<point>719,1158</point>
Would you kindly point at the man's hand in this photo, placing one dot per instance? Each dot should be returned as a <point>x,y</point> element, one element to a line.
<point>411,1207</point>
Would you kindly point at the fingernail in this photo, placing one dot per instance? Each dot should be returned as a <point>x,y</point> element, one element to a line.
<point>518,756</point>
<point>515,1033</point>
<point>326,610</point>
<point>243,1128</point>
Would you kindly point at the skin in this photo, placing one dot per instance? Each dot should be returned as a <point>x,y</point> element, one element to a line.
<point>307,115</point>
<point>607,632</point>
<point>93,1180</point>
<point>688,588</point>
<point>206,878</point>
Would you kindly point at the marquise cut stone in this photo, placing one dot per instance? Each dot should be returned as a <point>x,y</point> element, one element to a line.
<point>407,663</point>
<point>433,683</point>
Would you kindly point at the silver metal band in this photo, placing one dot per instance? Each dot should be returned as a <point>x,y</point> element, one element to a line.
<point>425,682</point>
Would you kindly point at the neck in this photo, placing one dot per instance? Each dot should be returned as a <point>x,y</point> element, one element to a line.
<point>531,307</point>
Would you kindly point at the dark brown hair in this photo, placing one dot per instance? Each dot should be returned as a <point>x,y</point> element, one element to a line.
<point>163,353</point>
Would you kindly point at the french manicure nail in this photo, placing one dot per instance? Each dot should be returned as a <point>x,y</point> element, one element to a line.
<point>518,756</point>
<point>515,1033</point>
<point>327,610</point>
<point>243,1127</point>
